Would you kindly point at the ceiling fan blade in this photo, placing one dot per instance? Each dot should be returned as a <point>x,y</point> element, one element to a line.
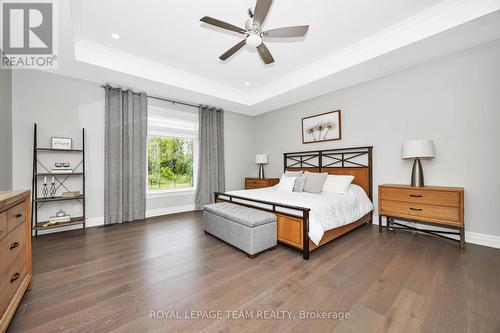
<point>265,55</point>
<point>298,31</point>
<point>232,50</point>
<point>222,24</point>
<point>261,10</point>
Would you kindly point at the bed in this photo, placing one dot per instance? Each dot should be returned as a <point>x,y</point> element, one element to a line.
<point>308,221</point>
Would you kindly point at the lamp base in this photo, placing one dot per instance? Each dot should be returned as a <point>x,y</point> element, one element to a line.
<point>417,174</point>
<point>261,171</point>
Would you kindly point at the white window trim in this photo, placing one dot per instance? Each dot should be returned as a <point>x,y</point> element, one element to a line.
<point>151,194</point>
<point>173,192</point>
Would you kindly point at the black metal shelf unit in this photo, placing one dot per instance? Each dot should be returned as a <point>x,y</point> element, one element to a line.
<point>60,178</point>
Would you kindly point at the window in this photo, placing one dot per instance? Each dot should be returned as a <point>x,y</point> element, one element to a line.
<point>172,147</point>
<point>170,163</point>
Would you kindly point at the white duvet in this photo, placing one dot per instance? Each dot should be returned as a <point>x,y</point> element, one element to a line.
<point>328,210</point>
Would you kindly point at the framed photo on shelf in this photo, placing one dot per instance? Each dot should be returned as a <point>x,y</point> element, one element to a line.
<point>322,127</point>
<point>61,143</point>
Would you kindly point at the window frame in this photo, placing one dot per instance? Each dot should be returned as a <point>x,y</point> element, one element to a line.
<point>173,191</point>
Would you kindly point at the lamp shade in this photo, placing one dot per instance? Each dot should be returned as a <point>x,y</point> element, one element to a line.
<point>418,148</point>
<point>261,159</point>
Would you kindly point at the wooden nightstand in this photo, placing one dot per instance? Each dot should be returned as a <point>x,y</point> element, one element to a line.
<point>253,183</point>
<point>441,206</point>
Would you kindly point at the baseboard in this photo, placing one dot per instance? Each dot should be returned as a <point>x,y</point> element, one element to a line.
<point>482,239</point>
<point>99,221</point>
<point>169,210</point>
<point>470,236</point>
<point>95,221</point>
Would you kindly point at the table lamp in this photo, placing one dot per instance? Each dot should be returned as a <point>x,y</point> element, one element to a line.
<point>261,159</point>
<point>417,149</point>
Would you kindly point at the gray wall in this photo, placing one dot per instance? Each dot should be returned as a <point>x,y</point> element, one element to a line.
<point>62,106</point>
<point>5,129</point>
<point>453,100</point>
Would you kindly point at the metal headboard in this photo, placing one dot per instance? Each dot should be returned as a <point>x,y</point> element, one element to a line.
<point>355,160</point>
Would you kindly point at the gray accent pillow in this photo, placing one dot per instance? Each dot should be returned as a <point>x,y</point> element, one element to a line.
<point>293,173</point>
<point>299,184</point>
<point>314,181</point>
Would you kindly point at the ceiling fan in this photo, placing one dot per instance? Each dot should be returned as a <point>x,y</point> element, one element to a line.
<point>253,31</point>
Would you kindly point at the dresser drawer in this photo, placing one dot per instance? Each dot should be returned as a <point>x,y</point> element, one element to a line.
<point>449,215</point>
<point>10,281</point>
<point>13,265</point>
<point>441,198</point>
<point>3,225</point>
<point>16,216</point>
<point>12,246</point>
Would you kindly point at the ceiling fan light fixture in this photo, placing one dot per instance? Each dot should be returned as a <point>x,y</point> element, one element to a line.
<point>253,32</point>
<point>254,40</point>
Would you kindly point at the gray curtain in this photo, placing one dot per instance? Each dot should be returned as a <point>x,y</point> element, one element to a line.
<point>125,156</point>
<point>211,176</point>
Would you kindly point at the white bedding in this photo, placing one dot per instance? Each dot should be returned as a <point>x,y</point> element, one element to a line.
<point>328,210</point>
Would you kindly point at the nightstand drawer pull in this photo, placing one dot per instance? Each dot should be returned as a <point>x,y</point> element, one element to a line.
<point>18,215</point>
<point>14,277</point>
<point>416,209</point>
<point>14,245</point>
<point>416,195</point>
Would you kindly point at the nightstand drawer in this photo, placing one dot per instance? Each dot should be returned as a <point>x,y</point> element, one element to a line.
<point>254,183</point>
<point>441,198</point>
<point>443,214</point>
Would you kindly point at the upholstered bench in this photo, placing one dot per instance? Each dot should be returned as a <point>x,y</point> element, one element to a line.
<point>250,230</point>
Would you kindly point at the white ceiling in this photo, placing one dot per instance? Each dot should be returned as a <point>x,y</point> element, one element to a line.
<point>165,50</point>
<point>170,32</point>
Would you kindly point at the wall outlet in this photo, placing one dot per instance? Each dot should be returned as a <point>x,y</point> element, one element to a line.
<point>77,209</point>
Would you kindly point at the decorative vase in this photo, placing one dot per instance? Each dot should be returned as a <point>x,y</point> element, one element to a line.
<point>52,190</point>
<point>45,191</point>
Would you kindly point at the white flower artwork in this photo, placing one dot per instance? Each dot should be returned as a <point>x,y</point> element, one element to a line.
<point>322,127</point>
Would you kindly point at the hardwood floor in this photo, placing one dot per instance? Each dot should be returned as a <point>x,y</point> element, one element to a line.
<point>110,279</point>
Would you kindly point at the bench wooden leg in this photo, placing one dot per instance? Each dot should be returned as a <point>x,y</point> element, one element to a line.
<point>252,256</point>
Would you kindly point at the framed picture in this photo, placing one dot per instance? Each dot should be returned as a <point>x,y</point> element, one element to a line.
<point>61,143</point>
<point>322,127</point>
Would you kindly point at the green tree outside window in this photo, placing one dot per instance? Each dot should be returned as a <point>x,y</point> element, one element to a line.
<point>170,163</point>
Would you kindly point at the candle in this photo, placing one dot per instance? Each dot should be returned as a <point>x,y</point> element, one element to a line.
<point>45,180</point>
<point>52,179</point>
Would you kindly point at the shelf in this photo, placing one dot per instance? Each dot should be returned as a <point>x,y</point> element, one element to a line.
<point>58,173</point>
<point>64,174</point>
<point>80,197</point>
<point>53,149</point>
<point>74,221</point>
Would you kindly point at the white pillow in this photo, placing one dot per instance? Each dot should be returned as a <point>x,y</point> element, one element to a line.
<point>337,184</point>
<point>286,184</point>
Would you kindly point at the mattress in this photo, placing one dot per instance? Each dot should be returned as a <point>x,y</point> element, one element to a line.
<point>327,210</point>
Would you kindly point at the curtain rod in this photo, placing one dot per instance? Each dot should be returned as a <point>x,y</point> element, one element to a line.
<point>164,99</point>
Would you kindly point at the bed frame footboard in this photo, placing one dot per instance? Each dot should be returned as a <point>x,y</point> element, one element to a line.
<point>273,207</point>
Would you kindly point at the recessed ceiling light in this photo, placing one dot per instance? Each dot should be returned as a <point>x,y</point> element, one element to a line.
<point>247,83</point>
<point>115,36</point>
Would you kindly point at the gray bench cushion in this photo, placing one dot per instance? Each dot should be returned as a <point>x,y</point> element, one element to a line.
<point>249,217</point>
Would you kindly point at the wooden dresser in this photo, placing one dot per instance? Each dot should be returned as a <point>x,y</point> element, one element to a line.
<point>253,183</point>
<point>441,206</point>
<point>15,252</point>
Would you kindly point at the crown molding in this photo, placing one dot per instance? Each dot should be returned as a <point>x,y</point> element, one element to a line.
<point>295,86</point>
